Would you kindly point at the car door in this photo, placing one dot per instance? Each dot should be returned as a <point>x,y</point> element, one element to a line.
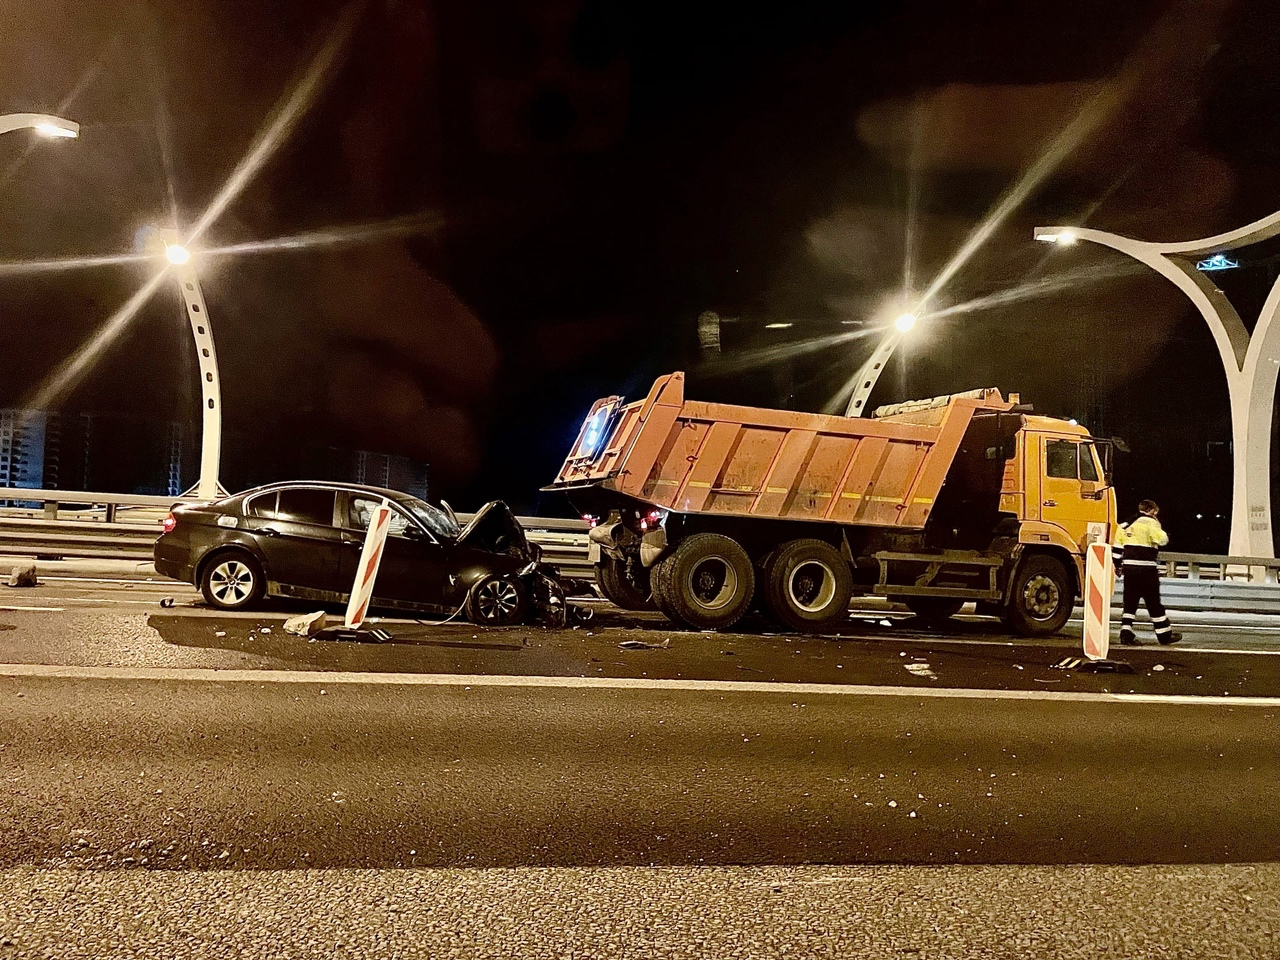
<point>414,565</point>
<point>300,541</point>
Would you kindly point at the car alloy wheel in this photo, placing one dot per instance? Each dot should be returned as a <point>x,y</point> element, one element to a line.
<point>231,582</point>
<point>497,599</point>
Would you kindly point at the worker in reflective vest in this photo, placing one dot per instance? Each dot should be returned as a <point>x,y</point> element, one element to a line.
<point>1136,549</point>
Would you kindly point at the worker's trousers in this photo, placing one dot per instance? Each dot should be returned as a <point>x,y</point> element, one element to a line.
<point>1142,585</point>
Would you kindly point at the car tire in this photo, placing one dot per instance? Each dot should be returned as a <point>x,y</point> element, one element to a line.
<point>707,582</point>
<point>232,580</point>
<point>933,609</point>
<point>1042,597</point>
<point>497,601</point>
<point>808,585</point>
<point>618,587</point>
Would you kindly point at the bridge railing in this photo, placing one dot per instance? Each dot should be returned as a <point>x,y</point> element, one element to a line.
<point>125,526</point>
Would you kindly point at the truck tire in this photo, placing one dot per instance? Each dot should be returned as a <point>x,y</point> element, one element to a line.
<point>933,609</point>
<point>618,587</point>
<point>658,584</point>
<point>807,586</point>
<point>707,582</point>
<point>1042,596</point>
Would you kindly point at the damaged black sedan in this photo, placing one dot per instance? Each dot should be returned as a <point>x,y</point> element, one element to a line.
<point>303,540</point>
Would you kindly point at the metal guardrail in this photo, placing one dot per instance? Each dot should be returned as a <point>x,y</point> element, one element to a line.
<point>124,527</point>
<point>127,526</point>
<point>1204,566</point>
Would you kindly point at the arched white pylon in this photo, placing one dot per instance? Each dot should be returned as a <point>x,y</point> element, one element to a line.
<point>1250,363</point>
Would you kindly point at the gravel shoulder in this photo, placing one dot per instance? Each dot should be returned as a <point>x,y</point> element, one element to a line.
<point>879,911</point>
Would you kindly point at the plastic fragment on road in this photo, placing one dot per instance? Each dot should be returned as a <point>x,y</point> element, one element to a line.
<point>23,576</point>
<point>166,602</point>
<point>644,645</point>
<point>920,670</point>
<point>1158,667</point>
<point>305,624</point>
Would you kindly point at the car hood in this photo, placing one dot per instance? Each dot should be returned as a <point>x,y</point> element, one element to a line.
<point>494,528</point>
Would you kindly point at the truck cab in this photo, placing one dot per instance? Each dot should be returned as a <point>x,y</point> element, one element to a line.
<point>1056,485</point>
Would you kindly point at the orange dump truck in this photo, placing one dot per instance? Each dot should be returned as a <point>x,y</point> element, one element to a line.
<point>706,510</point>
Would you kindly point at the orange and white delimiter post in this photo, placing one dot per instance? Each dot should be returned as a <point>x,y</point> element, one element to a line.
<point>1099,582</point>
<point>367,572</point>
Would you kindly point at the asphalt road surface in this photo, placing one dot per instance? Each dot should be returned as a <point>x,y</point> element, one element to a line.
<point>891,791</point>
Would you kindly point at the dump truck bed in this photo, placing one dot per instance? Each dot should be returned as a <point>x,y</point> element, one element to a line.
<point>713,458</point>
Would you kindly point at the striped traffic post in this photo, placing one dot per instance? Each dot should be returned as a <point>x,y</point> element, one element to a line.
<point>1097,601</point>
<point>367,571</point>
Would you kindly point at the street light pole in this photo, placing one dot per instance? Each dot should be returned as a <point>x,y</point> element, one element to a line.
<point>44,124</point>
<point>1249,362</point>
<point>871,370</point>
<point>180,262</point>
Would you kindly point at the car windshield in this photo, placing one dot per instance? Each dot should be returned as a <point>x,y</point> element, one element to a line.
<point>441,524</point>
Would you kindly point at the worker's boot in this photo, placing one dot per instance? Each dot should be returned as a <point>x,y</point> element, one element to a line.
<point>1173,636</point>
<point>1129,639</point>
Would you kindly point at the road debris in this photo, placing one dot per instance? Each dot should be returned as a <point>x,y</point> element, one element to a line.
<point>24,576</point>
<point>1158,667</point>
<point>166,602</point>
<point>306,624</point>
<point>920,670</point>
<point>644,645</point>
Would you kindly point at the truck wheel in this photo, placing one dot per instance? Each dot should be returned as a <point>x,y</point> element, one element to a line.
<point>707,582</point>
<point>933,609</point>
<point>659,584</point>
<point>1042,597</point>
<point>618,587</point>
<point>808,586</point>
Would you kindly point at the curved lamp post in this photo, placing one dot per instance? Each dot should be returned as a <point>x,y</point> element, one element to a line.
<point>1249,362</point>
<point>871,370</point>
<point>44,124</point>
<point>169,242</point>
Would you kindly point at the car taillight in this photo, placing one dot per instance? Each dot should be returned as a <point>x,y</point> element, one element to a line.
<point>169,523</point>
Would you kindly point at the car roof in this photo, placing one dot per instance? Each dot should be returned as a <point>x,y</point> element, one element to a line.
<point>382,492</point>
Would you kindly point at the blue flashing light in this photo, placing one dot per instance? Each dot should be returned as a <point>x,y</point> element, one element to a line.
<point>1219,261</point>
<point>593,434</point>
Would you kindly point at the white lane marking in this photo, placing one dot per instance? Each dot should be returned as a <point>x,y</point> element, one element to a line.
<point>1208,625</point>
<point>145,581</point>
<point>145,603</point>
<point>40,609</point>
<point>322,678</point>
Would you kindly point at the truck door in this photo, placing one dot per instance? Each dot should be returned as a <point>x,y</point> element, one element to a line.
<point>1072,491</point>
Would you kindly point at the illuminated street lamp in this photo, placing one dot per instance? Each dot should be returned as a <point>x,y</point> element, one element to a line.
<point>44,124</point>
<point>179,258</point>
<point>1250,361</point>
<point>871,370</point>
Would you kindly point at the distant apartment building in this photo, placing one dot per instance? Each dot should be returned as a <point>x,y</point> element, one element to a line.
<point>114,453</point>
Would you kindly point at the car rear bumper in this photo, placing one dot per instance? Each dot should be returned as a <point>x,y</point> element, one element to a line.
<point>173,559</point>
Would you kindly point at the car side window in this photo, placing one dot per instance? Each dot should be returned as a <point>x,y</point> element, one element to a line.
<point>263,506</point>
<point>306,506</point>
<point>1060,459</point>
<point>1088,465</point>
<point>361,511</point>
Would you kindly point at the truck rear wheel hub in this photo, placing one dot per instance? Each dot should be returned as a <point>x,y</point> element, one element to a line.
<point>713,583</point>
<point>812,585</point>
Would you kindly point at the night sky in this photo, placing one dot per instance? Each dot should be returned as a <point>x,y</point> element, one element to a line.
<point>577,180</point>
